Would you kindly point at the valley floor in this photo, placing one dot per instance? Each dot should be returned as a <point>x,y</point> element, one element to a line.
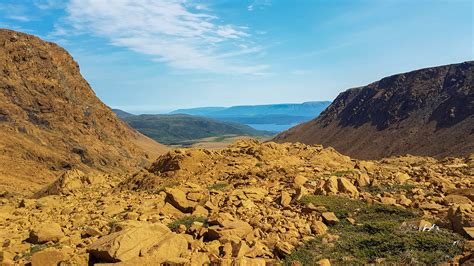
<point>250,204</point>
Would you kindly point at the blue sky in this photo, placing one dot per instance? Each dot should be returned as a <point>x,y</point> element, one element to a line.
<point>149,56</point>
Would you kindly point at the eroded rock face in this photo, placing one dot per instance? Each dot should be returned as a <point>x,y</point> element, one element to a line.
<point>51,120</point>
<point>427,112</point>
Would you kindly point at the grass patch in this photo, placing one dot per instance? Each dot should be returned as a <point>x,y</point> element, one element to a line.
<point>339,205</point>
<point>187,221</point>
<point>393,188</point>
<point>34,249</point>
<point>341,173</point>
<point>219,186</point>
<point>377,234</point>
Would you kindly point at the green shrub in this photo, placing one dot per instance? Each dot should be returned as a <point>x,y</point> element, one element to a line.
<point>390,188</point>
<point>187,221</point>
<point>219,186</point>
<point>377,234</point>
<point>34,249</point>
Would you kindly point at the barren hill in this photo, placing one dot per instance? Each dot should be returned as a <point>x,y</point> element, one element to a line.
<point>424,112</point>
<point>51,120</point>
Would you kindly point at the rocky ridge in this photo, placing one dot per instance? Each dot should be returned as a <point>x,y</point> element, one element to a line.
<point>249,204</point>
<point>426,112</point>
<point>51,120</point>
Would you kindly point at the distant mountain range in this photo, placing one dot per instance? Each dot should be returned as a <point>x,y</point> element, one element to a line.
<point>176,129</point>
<point>271,114</point>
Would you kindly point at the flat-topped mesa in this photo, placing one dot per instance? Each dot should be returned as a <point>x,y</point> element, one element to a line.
<point>51,120</point>
<point>428,112</point>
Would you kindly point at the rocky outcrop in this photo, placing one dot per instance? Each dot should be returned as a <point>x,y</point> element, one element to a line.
<point>427,112</point>
<point>51,120</point>
<point>249,204</point>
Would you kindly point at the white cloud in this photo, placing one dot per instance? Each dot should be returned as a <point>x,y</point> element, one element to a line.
<point>20,18</point>
<point>184,36</point>
<point>259,4</point>
<point>49,4</point>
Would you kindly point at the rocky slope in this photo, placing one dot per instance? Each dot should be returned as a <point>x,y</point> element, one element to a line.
<point>423,112</point>
<point>250,204</point>
<point>51,120</point>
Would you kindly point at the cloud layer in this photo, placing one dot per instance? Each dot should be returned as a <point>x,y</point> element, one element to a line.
<point>177,32</point>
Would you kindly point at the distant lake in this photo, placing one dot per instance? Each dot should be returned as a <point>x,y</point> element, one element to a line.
<point>272,127</point>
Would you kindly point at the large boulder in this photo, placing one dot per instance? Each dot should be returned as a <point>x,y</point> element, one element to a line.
<point>178,199</point>
<point>47,257</point>
<point>46,232</point>
<point>139,239</point>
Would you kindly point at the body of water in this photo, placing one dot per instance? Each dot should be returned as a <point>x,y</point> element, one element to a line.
<point>272,127</point>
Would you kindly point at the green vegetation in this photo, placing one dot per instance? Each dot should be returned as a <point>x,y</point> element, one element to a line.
<point>187,129</point>
<point>219,186</point>
<point>376,235</point>
<point>34,249</point>
<point>187,221</point>
<point>391,188</point>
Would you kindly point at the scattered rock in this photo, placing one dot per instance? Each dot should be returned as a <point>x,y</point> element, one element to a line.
<point>329,218</point>
<point>47,257</point>
<point>285,199</point>
<point>139,239</point>
<point>46,232</point>
<point>345,186</point>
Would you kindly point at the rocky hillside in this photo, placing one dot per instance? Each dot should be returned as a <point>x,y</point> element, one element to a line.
<point>423,112</point>
<point>51,120</point>
<point>250,204</point>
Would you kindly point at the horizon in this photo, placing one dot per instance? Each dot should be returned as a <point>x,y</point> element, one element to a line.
<point>158,56</point>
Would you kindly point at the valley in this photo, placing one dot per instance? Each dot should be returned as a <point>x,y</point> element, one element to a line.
<point>381,175</point>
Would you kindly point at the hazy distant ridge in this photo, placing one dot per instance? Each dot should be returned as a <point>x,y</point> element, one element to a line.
<point>307,109</point>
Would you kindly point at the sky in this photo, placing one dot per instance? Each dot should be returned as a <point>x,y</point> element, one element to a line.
<point>154,56</point>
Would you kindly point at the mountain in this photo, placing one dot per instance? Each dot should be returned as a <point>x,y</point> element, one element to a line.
<point>121,113</point>
<point>424,112</point>
<point>202,111</point>
<point>182,129</point>
<point>254,115</point>
<point>51,120</point>
<point>290,109</point>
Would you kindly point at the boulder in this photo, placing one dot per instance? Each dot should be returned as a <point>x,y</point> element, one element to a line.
<point>461,216</point>
<point>329,218</point>
<point>47,257</point>
<point>300,180</point>
<point>331,185</point>
<point>67,183</point>
<point>469,231</point>
<point>318,228</point>
<point>388,200</point>
<point>46,232</point>
<point>178,199</point>
<point>285,199</point>
<point>230,229</point>
<point>255,193</point>
<point>140,239</point>
<point>362,180</point>
<point>323,262</point>
<point>345,186</point>
<point>401,178</point>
